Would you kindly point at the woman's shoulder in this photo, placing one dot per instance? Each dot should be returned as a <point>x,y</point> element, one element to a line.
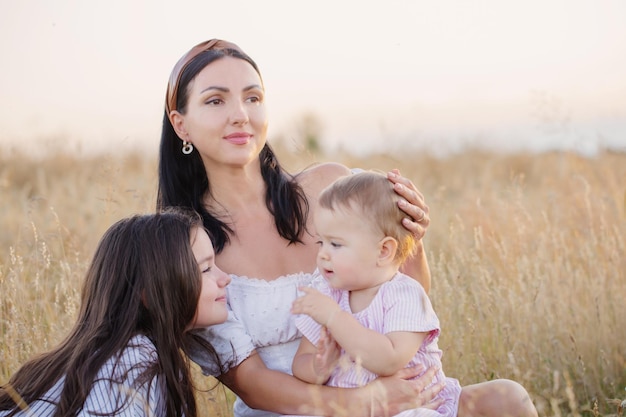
<point>316,177</point>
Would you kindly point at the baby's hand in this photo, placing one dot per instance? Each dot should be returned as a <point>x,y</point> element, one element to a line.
<point>327,356</point>
<point>318,306</point>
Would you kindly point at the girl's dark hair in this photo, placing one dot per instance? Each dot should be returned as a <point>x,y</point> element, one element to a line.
<point>183,181</point>
<point>143,279</point>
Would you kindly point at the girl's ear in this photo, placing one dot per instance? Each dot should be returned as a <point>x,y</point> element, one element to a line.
<point>388,248</point>
<point>178,123</point>
<point>144,299</point>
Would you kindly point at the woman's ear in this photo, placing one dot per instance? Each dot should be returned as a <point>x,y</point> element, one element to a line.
<point>178,123</point>
<point>388,247</point>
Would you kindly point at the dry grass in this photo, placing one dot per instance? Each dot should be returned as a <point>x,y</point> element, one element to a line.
<point>528,258</point>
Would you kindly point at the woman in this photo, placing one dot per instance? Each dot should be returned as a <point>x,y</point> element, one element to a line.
<point>152,280</point>
<point>214,159</point>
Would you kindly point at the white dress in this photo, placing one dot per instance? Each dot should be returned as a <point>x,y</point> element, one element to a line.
<point>259,319</point>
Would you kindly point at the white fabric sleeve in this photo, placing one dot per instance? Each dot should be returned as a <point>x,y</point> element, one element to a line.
<point>231,342</point>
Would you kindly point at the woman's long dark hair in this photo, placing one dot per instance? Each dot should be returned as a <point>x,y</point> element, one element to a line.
<point>143,279</point>
<point>183,181</point>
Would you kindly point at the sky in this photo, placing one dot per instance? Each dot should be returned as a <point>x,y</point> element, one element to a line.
<point>438,75</point>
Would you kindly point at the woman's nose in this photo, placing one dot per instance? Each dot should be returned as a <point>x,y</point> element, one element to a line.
<point>238,114</point>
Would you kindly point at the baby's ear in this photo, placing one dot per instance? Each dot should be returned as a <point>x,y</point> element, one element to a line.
<point>388,248</point>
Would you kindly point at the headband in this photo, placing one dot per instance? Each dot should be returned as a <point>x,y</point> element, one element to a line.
<point>172,85</point>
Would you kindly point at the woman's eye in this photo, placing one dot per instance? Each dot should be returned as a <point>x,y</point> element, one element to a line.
<point>335,245</point>
<point>207,269</point>
<point>214,101</point>
<point>254,100</point>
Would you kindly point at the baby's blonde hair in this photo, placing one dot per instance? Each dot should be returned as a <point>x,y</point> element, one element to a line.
<point>371,195</point>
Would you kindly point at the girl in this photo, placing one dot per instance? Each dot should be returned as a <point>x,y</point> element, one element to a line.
<point>152,280</point>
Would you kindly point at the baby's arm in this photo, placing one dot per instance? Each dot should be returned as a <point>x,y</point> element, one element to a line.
<point>315,364</point>
<point>383,354</point>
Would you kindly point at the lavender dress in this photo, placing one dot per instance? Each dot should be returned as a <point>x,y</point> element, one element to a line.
<point>400,305</point>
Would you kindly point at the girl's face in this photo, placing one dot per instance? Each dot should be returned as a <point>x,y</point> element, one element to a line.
<point>226,119</point>
<point>212,302</point>
<point>349,249</point>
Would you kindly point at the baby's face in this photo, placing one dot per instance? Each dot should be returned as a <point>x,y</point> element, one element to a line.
<point>348,248</point>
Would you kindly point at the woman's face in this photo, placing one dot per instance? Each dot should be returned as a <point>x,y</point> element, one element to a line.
<point>212,302</point>
<point>226,119</point>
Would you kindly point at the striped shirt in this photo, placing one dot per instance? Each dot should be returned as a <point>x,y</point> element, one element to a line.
<point>115,391</point>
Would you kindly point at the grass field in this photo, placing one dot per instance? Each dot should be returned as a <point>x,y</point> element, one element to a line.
<point>527,252</point>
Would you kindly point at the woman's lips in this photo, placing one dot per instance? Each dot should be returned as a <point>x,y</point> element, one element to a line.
<point>238,138</point>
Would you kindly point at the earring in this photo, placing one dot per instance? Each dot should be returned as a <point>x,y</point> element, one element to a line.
<point>187,147</point>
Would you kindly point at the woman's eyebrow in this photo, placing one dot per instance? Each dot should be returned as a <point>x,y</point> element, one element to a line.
<point>214,87</point>
<point>226,90</point>
<point>252,87</point>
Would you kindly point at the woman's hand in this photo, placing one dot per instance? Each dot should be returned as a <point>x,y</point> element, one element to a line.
<point>282,393</point>
<point>412,203</point>
<point>394,394</point>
